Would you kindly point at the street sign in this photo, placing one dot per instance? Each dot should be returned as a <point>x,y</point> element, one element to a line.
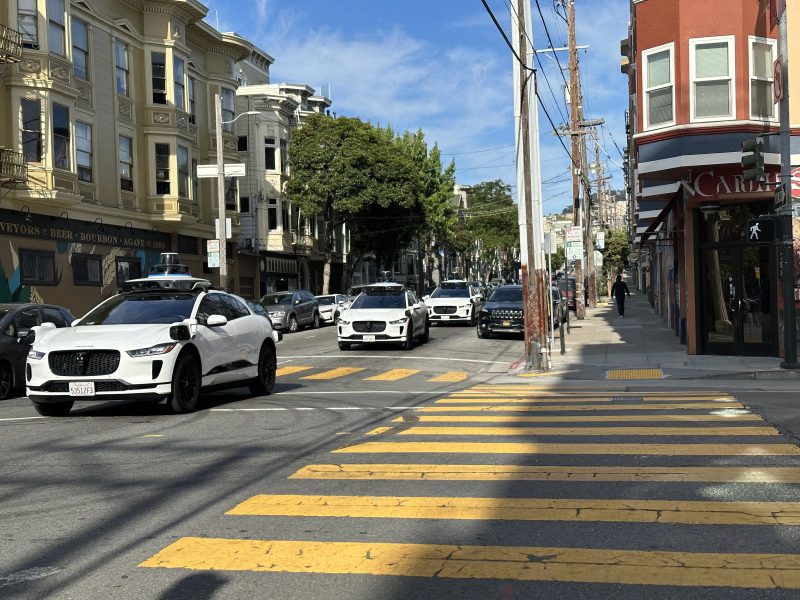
<point>573,234</point>
<point>574,250</point>
<point>212,246</point>
<point>776,10</point>
<point>231,170</point>
<point>228,233</point>
<point>777,80</point>
<point>213,260</point>
<point>600,240</point>
<point>550,243</point>
<point>761,231</point>
<point>598,259</point>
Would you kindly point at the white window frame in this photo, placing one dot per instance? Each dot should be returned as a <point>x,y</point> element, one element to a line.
<point>645,89</point>
<point>753,39</point>
<point>693,43</point>
<point>29,13</point>
<point>90,152</point>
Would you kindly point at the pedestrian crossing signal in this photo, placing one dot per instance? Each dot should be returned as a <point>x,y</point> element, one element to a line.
<point>760,231</point>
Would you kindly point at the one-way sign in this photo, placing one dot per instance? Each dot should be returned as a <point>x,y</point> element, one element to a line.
<point>760,231</point>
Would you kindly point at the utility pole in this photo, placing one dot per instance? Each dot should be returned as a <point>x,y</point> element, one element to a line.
<point>588,243</point>
<point>532,278</point>
<point>574,123</point>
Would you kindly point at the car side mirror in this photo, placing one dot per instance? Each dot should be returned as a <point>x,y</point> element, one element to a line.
<point>22,334</point>
<point>216,321</point>
<point>297,302</point>
<point>426,297</point>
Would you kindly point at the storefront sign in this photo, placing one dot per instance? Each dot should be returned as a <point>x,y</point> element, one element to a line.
<point>710,184</point>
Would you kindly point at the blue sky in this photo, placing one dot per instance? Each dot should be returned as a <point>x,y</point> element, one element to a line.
<point>442,66</point>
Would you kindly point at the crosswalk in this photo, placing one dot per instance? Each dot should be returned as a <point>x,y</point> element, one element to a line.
<point>685,490</point>
<point>390,375</point>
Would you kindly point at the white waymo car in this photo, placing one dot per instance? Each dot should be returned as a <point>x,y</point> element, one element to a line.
<point>384,312</point>
<point>454,301</point>
<point>152,343</point>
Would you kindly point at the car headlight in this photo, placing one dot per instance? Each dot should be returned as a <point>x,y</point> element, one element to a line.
<point>485,311</point>
<point>278,313</point>
<point>35,354</point>
<point>463,306</point>
<point>152,350</point>
<point>341,321</point>
<point>398,322</point>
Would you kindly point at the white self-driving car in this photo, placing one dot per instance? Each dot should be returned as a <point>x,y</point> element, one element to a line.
<point>454,301</point>
<point>384,312</point>
<point>153,344</point>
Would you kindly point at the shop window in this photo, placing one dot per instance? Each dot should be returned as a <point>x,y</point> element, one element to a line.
<point>80,49</point>
<point>125,163</point>
<point>162,169</point>
<point>87,269</point>
<point>711,70</point>
<point>659,88</point>
<point>187,245</point>
<point>128,268</point>
<point>762,58</point>
<point>83,142</point>
<point>37,267</point>
<point>158,64</point>
<point>56,38</point>
<point>31,130</point>
<point>122,72</point>
<point>60,137</point>
<point>27,23</point>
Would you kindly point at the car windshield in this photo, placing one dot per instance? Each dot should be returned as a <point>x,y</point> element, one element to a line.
<point>257,308</point>
<point>506,294</point>
<point>324,300</point>
<point>355,291</point>
<point>276,299</point>
<point>380,300</point>
<point>450,292</point>
<point>141,309</point>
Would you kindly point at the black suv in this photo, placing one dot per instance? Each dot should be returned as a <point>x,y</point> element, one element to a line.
<point>502,312</point>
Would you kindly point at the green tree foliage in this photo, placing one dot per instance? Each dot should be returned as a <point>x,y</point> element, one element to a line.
<point>492,220</point>
<point>559,259</point>
<point>616,251</point>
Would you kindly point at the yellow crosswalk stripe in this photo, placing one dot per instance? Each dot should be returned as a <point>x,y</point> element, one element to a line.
<point>521,563</point>
<point>517,400</point>
<point>451,376</point>
<point>534,448</point>
<point>595,390</point>
<point>522,509</point>
<point>582,398</point>
<point>442,472</point>
<point>518,407</point>
<point>593,431</point>
<point>291,369</point>
<point>573,418</point>
<point>379,430</point>
<point>393,375</point>
<point>334,373</point>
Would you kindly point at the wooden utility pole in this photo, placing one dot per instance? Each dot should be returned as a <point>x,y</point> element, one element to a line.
<point>588,242</point>
<point>574,124</point>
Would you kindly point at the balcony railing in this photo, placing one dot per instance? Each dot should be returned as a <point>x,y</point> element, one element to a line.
<point>13,167</point>
<point>10,45</point>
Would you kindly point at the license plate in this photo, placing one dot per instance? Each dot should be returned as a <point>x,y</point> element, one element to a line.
<point>81,388</point>
<point>506,323</point>
<point>369,338</point>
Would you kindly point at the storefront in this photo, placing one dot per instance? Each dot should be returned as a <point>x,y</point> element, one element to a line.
<point>278,273</point>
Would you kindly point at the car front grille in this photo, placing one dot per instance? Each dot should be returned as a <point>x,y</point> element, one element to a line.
<point>368,326</point>
<point>444,310</point>
<point>506,314</point>
<point>62,387</point>
<point>89,362</point>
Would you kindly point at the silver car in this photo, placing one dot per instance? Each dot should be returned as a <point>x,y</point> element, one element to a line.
<point>289,311</point>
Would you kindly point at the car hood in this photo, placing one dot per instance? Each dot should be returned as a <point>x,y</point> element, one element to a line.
<point>503,306</point>
<point>447,301</point>
<point>374,314</point>
<point>91,337</point>
<point>327,307</point>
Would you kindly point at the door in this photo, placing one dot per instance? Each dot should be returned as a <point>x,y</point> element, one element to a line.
<point>217,345</point>
<point>739,313</point>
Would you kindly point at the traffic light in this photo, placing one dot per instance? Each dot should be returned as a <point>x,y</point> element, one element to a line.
<point>753,159</point>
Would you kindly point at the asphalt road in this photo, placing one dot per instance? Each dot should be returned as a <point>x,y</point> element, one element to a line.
<point>385,474</point>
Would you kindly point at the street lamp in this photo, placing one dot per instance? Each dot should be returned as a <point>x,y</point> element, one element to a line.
<point>222,231</point>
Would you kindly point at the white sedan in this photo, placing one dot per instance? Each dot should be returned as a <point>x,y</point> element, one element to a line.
<point>153,344</point>
<point>330,305</point>
<point>454,301</point>
<point>384,313</point>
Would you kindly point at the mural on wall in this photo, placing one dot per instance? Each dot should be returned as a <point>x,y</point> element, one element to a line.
<point>11,287</point>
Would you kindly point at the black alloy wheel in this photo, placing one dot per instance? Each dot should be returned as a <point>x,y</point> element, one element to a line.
<point>186,381</point>
<point>408,344</point>
<point>426,335</point>
<point>53,409</point>
<point>481,334</point>
<point>6,380</point>
<point>264,382</point>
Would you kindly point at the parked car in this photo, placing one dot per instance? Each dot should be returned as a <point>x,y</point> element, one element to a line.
<point>16,321</point>
<point>559,306</point>
<point>502,312</point>
<point>330,305</point>
<point>277,336</point>
<point>354,291</point>
<point>290,311</point>
<point>567,287</point>
<point>454,301</point>
<point>153,345</point>
<point>384,312</point>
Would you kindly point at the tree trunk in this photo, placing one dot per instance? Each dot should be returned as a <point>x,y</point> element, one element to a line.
<point>326,274</point>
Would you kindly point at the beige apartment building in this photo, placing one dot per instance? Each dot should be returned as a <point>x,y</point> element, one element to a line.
<point>106,109</point>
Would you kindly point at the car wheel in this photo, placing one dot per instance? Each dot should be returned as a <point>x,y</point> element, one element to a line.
<point>264,382</point>
<point>53,409</point>
<point>6,380</point>
<point>315,322</point>
<point>408,344</point>
<point>426,335</point>
<point>481,334</point>
<point>344,346</point>
<point>185,385</point>
<point>472,320</point>
<point>293,326</point>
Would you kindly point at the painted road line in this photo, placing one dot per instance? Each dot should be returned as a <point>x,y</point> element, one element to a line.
<point>334,373</point>
<point>379,430</point>
<point>440,472</point>
<point>521,509</point>
<point>594,431</point>
<point>580,407</point>
<point>610,397</point>
<point>593,389</point>
<point>393,375</point>
<point>394,357</point>
<point>574,418</point>
<point>520,563</point>
<point>450,377</point>
<point>634,374</point>
<point>21,418</point>
<point>291,369</point>
<point>548,448</point>
<point>546,373</point>
<point>519,400</point>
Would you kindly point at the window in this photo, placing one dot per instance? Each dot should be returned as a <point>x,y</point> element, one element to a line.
<point>27,22</point>
<point>86,269</point>
<point>55,27</point>
<point>180,87</point>
<point>125,163</point>
<point>54,316</point>
<point>162,168</point>
<point>80,49</point>
<point>712,68</point>
<point>37,267</point>
<point>158,63</point>
<point>195,183</point>
<point>227,110</point>
<point>658,86</point>
<point>60,137</point>
<point>128,268</point>
<point>231,191</point>
<point>287,226</point>
<point>183,172</point>
<point>269,154</point>
<point>247,287</point>
<point>122,68</point>
<point>272,218</point>
<point>83,144</point>
<point>284,156</point>
<point>241,144</point>
<point>762,58</point>
<point>31,130</point>
<point>192,107</point>
<point>244,204</point>
<point>187,245</point>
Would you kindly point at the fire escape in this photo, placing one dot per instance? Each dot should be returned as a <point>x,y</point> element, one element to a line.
<point>13,168</point>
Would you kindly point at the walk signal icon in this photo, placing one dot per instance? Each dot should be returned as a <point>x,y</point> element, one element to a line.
<point>760,231</point>
<point>753,159</point>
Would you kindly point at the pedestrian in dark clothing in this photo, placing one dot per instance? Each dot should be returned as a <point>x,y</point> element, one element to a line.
<point>618,290</point>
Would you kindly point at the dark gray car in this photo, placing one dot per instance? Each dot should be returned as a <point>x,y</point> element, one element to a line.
<point>290,311</point>
<point>16,320</point>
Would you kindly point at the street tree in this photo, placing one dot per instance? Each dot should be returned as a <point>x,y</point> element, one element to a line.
<point>493,224</point>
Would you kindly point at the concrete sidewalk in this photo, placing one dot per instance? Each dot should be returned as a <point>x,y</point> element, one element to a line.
<point>640,346</point>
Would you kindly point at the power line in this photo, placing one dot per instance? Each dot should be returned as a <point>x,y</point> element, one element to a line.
<point>505,37</point>
<point>476,151</point>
